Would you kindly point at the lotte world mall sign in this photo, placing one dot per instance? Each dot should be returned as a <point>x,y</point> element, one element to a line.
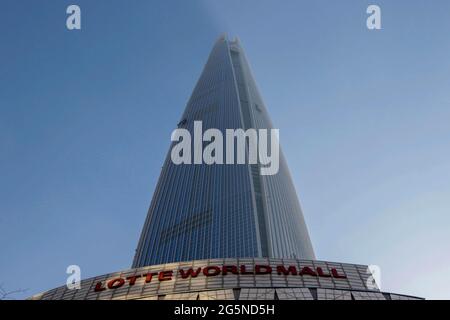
<point>230,279</point>
<point>213,271</point>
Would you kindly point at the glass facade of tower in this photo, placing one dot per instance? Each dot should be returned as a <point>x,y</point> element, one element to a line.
<point>201,211</point>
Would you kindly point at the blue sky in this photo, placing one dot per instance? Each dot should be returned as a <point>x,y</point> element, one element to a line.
<point>86,117</point>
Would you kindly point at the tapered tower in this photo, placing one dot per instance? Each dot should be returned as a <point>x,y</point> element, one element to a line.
<point>201,211</point>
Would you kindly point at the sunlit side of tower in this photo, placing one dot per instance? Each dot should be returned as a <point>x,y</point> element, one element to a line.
<point>202,211</point>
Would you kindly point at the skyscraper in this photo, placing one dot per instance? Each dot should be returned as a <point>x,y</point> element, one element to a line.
<point>226,232</point>
<point>201,211</point>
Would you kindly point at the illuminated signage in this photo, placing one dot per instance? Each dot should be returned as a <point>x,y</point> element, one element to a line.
<point>212,271</point>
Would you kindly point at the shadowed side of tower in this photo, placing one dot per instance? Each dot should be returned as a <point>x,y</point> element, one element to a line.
<point>201,211</point>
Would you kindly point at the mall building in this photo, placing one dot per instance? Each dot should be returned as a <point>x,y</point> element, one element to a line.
<point>227,231</point>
